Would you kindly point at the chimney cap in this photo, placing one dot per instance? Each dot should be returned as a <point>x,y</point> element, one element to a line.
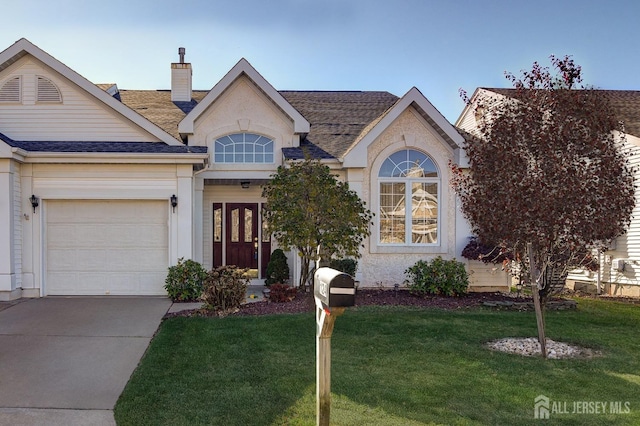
<point>181,52</point>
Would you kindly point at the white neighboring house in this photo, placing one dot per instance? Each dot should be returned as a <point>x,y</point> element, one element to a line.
<point>102,189</point>
<point>619,272</point>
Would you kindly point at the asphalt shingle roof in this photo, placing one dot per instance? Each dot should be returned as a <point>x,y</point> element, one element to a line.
<point>337,118</point>
<point>625,102</point>
<point>93,146</point>
<point>157,107</point>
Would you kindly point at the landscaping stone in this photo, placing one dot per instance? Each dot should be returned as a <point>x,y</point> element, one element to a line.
<point>531,347</point>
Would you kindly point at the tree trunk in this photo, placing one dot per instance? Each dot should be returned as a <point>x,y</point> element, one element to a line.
<point>535,276</point>
<point>304,273</point>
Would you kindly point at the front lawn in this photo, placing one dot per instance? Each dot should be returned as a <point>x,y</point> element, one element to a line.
<point>391,366</point>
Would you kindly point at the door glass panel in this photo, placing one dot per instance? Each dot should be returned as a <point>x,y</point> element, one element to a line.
<point>248,225</point>
<point>217,224</point>
<point>235,225</point>
<point>265,232</point>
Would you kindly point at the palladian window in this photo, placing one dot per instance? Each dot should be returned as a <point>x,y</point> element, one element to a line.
<point>409,185</point>
<point>243,148</point>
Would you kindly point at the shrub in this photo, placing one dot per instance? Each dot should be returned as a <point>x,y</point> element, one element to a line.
<point>277,268</point>
<point>282,293</point>
<point>348,266</point>
<point>439,276</point>
<point>225,288</point>
<point>184,281</point>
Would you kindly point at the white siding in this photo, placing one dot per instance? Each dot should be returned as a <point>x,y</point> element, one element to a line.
<point>80,117</point>
<point>17,225</point>
<point>627,247</point>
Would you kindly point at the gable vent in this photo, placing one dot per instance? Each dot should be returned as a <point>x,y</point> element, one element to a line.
<point>10,90</point>
<point>47,91</point>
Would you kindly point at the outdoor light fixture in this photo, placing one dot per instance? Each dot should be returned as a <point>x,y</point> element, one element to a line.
<point>174,202</point>
<point>245,184</point>
<point>34,202</point>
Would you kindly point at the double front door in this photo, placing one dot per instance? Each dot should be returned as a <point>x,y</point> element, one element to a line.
<point>240,237</point>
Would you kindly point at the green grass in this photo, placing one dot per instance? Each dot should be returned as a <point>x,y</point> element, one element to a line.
<point>391,366</point>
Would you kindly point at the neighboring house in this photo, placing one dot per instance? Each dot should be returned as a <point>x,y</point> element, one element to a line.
<point>619,272</point>
<point>125,182</point>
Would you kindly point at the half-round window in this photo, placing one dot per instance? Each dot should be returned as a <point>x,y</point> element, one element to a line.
<point>409,191</point>
<point>243,148</point>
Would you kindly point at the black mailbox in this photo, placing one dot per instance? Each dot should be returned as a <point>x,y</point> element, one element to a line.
<point>334,289</point>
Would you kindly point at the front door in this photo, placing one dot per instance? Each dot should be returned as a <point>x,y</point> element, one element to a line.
<point>242,235</point>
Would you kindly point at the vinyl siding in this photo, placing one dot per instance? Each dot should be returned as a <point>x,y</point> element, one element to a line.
<point>17,225</point>
<point>80,117</point>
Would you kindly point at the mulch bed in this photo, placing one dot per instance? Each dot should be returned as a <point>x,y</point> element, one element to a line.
<point>365,297</point>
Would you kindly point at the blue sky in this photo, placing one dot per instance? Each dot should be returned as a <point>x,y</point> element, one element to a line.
<point>392,45</point>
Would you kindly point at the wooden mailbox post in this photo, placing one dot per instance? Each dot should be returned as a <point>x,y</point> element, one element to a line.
<point>333,292</point>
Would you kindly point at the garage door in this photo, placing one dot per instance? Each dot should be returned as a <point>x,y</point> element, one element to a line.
<point>106,247</point>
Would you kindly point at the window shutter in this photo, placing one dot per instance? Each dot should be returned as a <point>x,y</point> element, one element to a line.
<point>10,90</point>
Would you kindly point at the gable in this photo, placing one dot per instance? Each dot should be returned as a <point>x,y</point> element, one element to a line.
<point>244,70</point>
<point>430,118</point>
<point>50,107</point>
<point>89,112</point>
<point>242,107</point>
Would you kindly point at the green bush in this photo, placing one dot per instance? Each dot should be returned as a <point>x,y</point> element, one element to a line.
<point>348,266</point>
<point>225,288</point>
<point>281,293</point>
<point>439,276</point>
<point>277,268</point>
<point>184,281</point>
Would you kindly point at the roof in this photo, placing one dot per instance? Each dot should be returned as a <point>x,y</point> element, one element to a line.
<point>157,107</point>
<point>337,118</point>
<point>107,146</point>
<point>626,103</point>
<point>330,123</point>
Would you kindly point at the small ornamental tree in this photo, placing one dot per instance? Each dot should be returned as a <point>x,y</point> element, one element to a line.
<point>548,179</point>
<point>308,207</point>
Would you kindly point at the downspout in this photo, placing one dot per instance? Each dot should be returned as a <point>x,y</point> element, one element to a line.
<point>599,279</point>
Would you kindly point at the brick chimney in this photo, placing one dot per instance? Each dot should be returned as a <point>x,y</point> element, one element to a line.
<point>181,79</point>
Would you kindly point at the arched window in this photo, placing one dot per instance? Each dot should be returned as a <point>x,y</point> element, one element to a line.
<point>243,148</point>
<point>409,191</point>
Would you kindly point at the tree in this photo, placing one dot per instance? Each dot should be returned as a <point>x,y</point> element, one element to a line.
<point>548,178</point>
<point>307,207</point>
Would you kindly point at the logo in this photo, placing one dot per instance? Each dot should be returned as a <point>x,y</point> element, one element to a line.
<point>541,407</point>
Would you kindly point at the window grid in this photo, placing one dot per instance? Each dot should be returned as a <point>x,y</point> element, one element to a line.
<point>243,148</point>
<point>409,188</point>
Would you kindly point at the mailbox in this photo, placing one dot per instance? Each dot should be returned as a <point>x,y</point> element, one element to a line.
<point>334,289</point>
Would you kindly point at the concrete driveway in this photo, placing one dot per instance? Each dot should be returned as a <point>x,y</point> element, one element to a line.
<point>65,360</point>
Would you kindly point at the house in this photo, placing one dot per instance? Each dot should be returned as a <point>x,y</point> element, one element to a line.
<point>619,271</point>
<point>102,189</point>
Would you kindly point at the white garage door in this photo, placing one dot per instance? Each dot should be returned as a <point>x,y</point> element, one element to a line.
<point>106,247</point>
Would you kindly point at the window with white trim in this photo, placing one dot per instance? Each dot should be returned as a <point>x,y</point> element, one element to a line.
<point>243,148</point>
<point>409,192</point>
